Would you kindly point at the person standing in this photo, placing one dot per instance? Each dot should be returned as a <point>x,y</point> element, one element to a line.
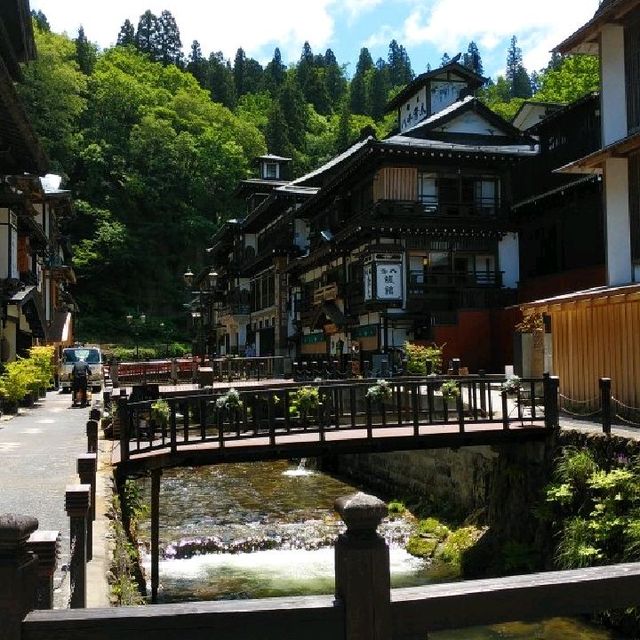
<point>80,379</point>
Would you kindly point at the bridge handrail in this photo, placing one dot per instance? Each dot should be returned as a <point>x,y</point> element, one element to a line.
<point>271,411</point>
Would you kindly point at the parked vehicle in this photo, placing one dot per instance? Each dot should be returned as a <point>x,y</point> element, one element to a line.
<point>92,356</point>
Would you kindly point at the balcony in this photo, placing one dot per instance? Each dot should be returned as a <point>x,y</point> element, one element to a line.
<point>237,303</point>
<point>429,208</point>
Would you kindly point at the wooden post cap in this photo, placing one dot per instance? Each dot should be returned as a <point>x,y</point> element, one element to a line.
<point>46,545</point>
<point>87,463</point>
<point>77,499</point>
<point>14,533</point>
<point>361,512</point>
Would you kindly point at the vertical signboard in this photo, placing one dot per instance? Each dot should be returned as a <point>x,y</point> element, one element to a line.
<point>389,281</point>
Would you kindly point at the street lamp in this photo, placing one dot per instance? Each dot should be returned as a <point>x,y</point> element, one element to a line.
<point>207,286</point>
<point>136,324</point>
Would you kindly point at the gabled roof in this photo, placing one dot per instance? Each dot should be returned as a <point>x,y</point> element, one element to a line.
<point>457,109</point>
<point>270,157</point>
<point>309,178</point>
<point>564,109</point>
<point>585,39</point>
<point>472,78</point>
<point>531,113</point>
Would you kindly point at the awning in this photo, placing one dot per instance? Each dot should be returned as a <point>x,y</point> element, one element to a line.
<point>594,162</point>
<point>29,303</point>
<point>621,294</point>
<point>60,330</point>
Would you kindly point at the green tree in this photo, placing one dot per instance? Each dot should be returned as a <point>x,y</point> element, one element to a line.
<point>86,53</point>
<point>274,72</point>
<point>54,92</point>
<point>358,88</point>
<point>147,35</point>
<point>220,81</point>
<point>169,44</point>
<point>127,34</point>
<point>379,90</point>
<point>400,71</point>
<point>294,109</point>
<point>40,20</point>
<point>277,131</point>
<point>334,78</point>
<point>343,137</point>
<point>197,65</point>
<point>572,78</point>
<point>472,60</point>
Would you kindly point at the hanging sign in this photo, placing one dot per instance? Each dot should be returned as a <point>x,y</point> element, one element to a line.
<point>389,281</point>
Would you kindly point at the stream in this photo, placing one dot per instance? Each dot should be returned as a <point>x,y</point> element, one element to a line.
<point>258,530</point>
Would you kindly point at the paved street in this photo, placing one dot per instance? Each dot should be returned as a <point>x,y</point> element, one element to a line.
<point>38,453</point>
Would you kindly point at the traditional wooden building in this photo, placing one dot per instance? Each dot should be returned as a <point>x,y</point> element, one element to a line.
<point>594,331</point>
<point>411,237</point>
<point>251,255</point>
<point>33,255</point>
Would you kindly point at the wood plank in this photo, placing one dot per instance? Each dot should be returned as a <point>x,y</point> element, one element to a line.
<point>311,618</point>
<point>417,611</point>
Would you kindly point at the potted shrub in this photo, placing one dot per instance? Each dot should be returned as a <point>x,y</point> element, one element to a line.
<point>511,386</point>
<point>303,402</point>
<point>159,415</point>
<point>230,401</point>
<point>380,392</point>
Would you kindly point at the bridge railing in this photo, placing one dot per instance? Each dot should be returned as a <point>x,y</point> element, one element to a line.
<point>324,408</point>
<point>364,605</point>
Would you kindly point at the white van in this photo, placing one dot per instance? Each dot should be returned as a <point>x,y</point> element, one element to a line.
<point>92,356</point>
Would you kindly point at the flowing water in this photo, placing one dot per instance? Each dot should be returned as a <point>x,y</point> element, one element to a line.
<point>266,529</point>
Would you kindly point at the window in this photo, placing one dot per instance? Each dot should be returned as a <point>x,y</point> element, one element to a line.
<point>428,191</point>
<point>270,170</point>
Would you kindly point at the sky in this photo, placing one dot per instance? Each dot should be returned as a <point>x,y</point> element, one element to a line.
<point>426,28</point>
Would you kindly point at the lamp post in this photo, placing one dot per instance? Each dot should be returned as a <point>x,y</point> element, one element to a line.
<point>136,324</point>
<point>207,287</point>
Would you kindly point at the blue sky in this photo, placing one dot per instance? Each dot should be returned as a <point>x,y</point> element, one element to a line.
<point>426,28</point>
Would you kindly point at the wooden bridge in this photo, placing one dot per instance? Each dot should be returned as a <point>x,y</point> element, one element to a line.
<point>267,423</point>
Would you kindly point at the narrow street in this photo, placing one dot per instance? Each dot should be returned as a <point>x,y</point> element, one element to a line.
<point>38,453</point>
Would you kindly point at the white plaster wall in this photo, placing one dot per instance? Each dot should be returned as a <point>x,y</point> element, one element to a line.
<point>613,91</point>
<point>616,194</point>
<point>471,123</point>
<point>509,257</point>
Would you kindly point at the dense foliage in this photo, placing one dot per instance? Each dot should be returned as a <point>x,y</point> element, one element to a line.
<point>152,143</point>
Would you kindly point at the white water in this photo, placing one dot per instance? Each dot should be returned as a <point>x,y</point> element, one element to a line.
<point>299,471</point>
<point>276,572</point>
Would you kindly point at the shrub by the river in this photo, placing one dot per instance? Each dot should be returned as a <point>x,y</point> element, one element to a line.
<point>595,511</point>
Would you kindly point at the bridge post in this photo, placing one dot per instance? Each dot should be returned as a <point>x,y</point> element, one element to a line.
<point>123,423</point>
<point>46,545</point>
<point>87,468</point>
<point>551,412</point>
<point>92,436</point>
<point>155,533</point>
<point>18,567</point>
<point>77,503</point>
<point>605,404</point>
<point>362,569</point>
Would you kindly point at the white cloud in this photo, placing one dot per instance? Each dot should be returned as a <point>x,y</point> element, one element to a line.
<point>449,25</point>
<point>218,26</point>
<point>355,8</point>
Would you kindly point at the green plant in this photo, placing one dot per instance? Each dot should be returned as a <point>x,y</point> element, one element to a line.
<point>44,366</point>
<point>229,400</point>
<point>380,391</point>
<point>15,381</point>
<point>396,508</point>
<point>433,527</point>
<point>450,389</point>
<point>455,545</point>
<point>511,385</point>
<point>420,358</point>
<point>160,412</point>
<point>303,401</point>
